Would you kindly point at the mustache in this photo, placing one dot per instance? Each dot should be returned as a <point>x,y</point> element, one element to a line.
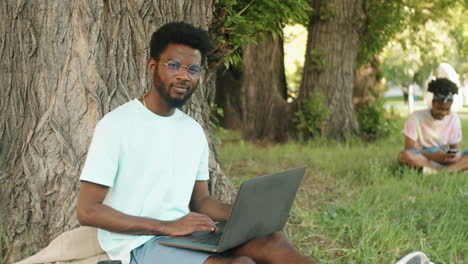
<point>184,85</point>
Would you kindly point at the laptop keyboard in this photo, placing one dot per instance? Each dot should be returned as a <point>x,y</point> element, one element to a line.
<point>214,238</point>
<point>209,240</point>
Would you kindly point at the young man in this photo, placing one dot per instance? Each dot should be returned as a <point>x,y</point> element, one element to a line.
<point>148,164</point>
<point>432,136</point>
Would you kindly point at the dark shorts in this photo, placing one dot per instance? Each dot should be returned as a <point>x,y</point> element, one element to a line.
<point>155,253</point>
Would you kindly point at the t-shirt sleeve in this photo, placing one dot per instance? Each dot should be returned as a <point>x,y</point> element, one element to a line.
<point>203,172</point>
<point>411,128</point>
<point>103,155</point>
<point>457,135</point>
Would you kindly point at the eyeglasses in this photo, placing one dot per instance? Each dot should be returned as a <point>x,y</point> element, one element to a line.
<point>174,67</point>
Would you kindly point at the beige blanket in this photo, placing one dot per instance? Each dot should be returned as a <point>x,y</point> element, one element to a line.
<point>77,246</point>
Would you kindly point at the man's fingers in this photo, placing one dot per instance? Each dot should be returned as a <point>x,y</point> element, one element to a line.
<point>202,217</point>
<point>196,220</point>
<point>205,228</point>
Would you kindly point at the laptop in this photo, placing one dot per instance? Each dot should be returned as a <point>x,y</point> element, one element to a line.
<point>261,207</point>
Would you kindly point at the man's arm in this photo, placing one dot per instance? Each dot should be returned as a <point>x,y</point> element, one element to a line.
<point>203,203</point>
<point>439,156</point>
<point>92,212</point>
<point>454,157</point>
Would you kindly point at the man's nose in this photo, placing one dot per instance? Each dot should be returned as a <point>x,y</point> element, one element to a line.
<point>183,74</point>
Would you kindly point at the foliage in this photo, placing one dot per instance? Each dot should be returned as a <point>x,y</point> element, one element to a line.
<point>311,116</point>
<point>317,61</point>
<point>384,20</point>
<point>293,78</point>
<point>354,206</point>
<point>431,45</point>
<point>295,38</point>
<point>214,123</point>
<point>239,22</point>
<point>373,122</point>
<point>387,18</point>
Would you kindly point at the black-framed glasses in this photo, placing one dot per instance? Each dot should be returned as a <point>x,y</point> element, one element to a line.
<point>174,67</point>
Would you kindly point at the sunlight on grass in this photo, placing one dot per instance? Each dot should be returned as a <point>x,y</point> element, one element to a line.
<point>353,205</point>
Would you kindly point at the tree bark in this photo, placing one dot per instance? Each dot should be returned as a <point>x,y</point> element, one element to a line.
<point>63,65</point>
<point>332,48</point>
<point>228,96</point>
<point>266,115</point>
<point>366,84</point>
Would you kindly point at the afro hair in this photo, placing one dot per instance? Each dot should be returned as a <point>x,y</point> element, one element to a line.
<point>442,86</point>
<point>179,33</point>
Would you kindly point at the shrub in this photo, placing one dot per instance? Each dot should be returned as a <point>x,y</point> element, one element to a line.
<point>311,116</point>
<point>373,121</point>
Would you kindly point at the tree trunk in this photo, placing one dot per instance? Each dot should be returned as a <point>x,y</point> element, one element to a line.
<point>366,84</point>
<point>63,65</point>
<point>228,97</point>
<point>266,114</point>
<point>332,47</point>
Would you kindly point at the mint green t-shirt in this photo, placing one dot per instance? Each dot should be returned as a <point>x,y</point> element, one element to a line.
<point>150,164</point>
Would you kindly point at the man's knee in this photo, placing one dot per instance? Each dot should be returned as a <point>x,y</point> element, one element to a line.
<point>277,237</point>
<point>242,260</point>
<point>403,156</point>
<point>407,157</point>
<point>221,260</point>
<point>276,241</point>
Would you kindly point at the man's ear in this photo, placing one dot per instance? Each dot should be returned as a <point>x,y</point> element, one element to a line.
<point>152,65</point>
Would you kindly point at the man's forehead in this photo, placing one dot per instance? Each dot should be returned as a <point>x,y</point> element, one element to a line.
<point>439,104</point>
<point>181,52</point>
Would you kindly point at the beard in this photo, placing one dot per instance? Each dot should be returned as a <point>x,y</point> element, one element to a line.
<point>164,92</point>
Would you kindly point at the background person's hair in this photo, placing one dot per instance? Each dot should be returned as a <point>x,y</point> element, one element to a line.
<point>179,33</point>
<point>442,86</point>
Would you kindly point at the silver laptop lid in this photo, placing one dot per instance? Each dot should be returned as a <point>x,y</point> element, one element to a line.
<point>262,207</point>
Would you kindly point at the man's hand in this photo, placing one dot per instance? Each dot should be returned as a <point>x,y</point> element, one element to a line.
<point>188,224</point>
<point>443,157</point>
<point>452,158</point>
<point>203,203</point>
<point>439,156</point>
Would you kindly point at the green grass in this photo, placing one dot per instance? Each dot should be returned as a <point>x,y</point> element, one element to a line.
<point>394,99</point>
<point>354,206</point>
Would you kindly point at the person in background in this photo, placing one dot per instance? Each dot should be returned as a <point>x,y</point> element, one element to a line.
<point>433,135</point>
<point>404,89</point>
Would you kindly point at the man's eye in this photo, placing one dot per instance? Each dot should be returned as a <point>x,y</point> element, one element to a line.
<point>194,69</point>
<point>173,65</point>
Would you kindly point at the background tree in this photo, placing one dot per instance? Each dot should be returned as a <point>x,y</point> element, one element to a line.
<point>266,114</point>
<point>253,31</point>
<point>441,39</point>
<point>63,65</point>
<point>367,83</point>
<point>331,55</point>
<point>373,26</point>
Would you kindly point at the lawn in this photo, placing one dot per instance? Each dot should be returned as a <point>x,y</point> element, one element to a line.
<point>354,206</point>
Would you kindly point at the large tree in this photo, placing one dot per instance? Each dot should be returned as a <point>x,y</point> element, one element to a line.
<point>253,30</point>
<point>266,113</point>
<point>63,65</point>
<point>331,54</point>
<point>228,97</point>
<point>253,95</point>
